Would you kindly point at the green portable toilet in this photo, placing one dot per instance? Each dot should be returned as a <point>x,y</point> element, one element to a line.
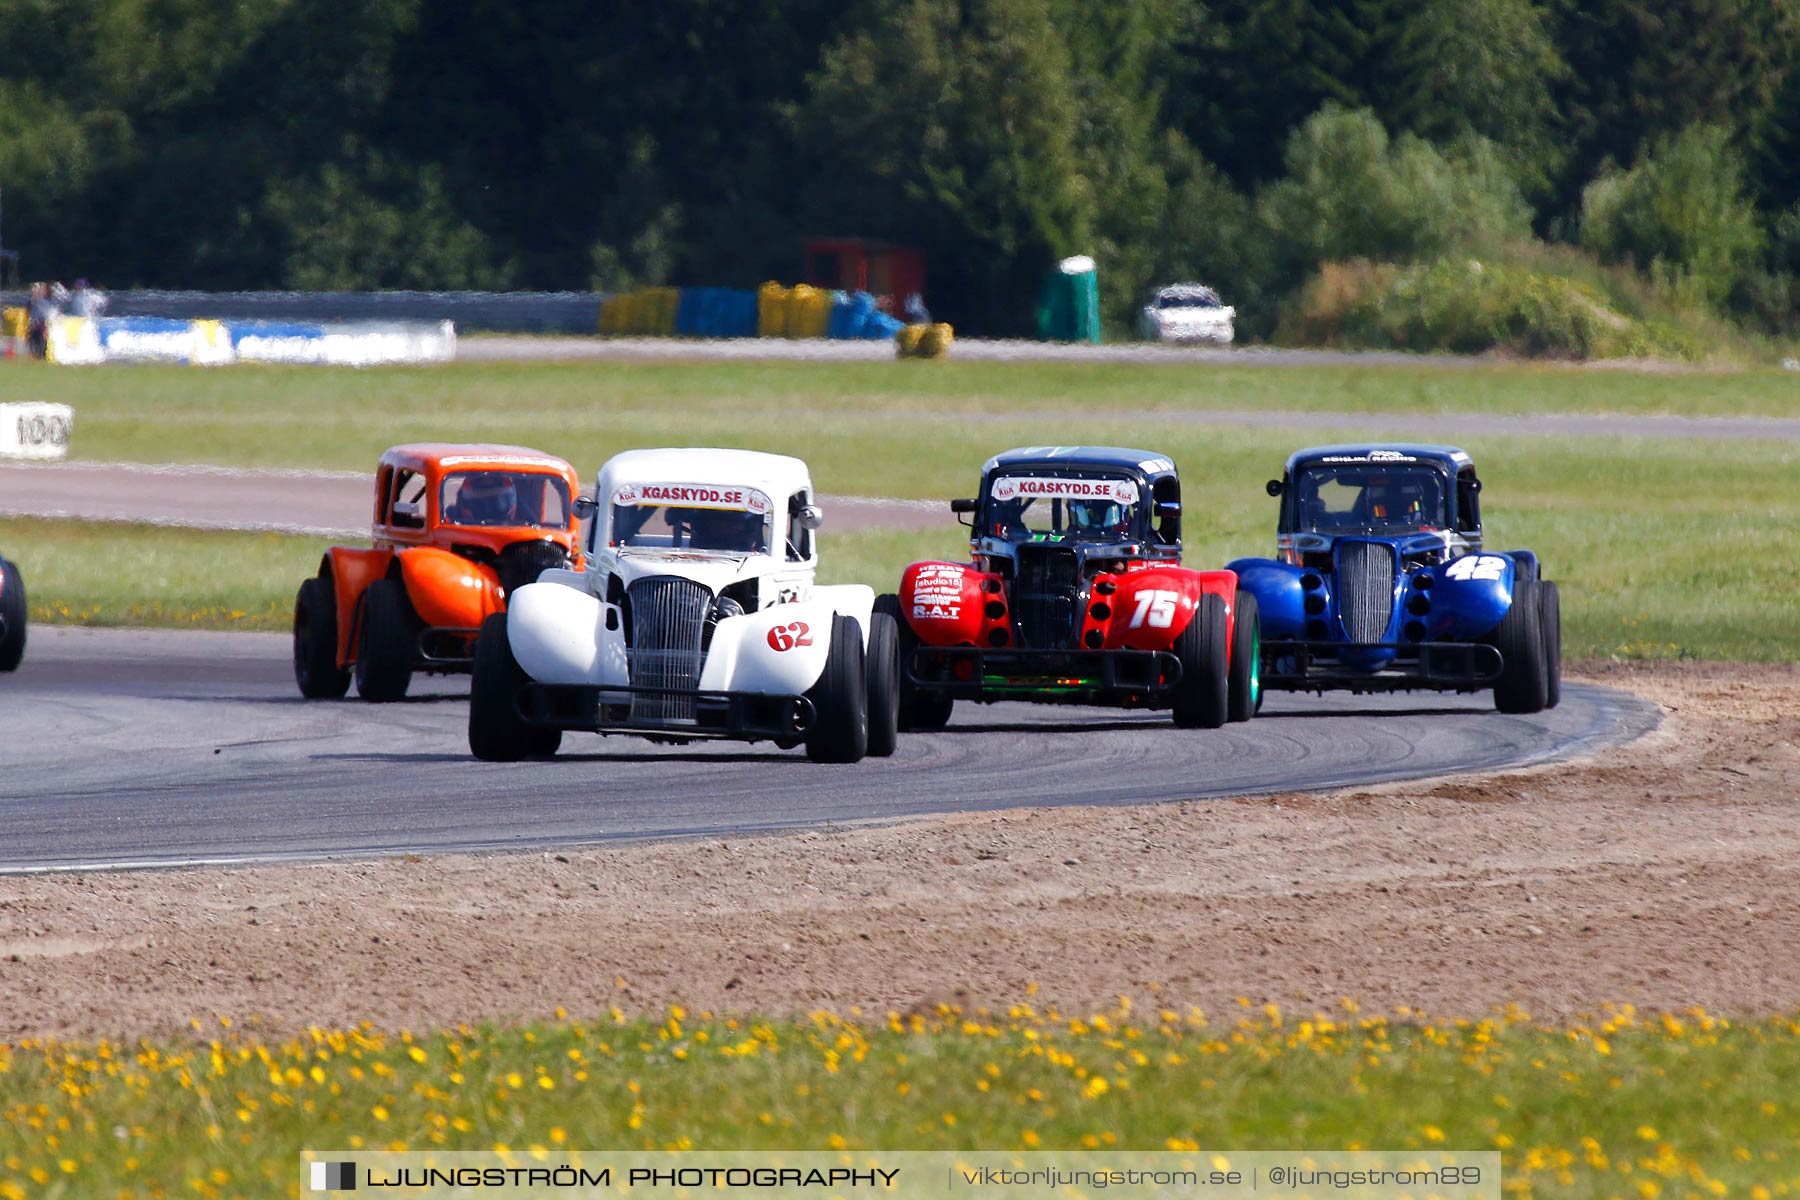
<point>1069,303</point>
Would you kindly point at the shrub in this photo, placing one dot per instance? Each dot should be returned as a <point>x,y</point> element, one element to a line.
<point>1352,192</point>
<point>1679,213</point>
<point>1469,306</point>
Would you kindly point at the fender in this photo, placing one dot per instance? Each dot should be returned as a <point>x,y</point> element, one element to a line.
<point>947,604</point>
<point>352,571</point>
<point>1525,563</point>
<point>447,590</point>
<point>851,600</point>
<point>779,650</point>
<point>561,633</point>
<point>1469,596</point>
<point>1140,610</point>
<point>1280,597</point>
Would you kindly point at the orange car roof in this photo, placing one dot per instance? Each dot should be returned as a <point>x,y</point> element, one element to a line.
<point>455,455</point>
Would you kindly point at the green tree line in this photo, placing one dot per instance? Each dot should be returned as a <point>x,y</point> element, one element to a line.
<point>564,144</point>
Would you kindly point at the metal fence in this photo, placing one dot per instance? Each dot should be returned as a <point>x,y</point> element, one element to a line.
<point>473,312</point>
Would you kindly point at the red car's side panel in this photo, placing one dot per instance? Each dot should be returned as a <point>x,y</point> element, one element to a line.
<point>947,604</point>
<point>447,590</point>
<point>352,571</point>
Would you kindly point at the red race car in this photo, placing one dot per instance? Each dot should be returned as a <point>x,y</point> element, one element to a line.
<point>1076,595</point>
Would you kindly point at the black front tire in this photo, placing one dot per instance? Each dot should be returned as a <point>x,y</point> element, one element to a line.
<point>1246,656</point>
<point>316,667</point>
<point>1522,687</point>
<point>1550,620</point>
<point>840,699</point>
<point>496,731</point>
<point>387,641</point>
<point>881,667</point>
<point>919,710</point>
<point>1202,697</point>
<point>14,617</point>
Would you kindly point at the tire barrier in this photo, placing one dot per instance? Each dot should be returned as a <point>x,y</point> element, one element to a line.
<point>771,311</point>
<point>924,341</point>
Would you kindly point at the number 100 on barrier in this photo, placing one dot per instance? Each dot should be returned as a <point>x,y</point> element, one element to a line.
<point>37,431</point>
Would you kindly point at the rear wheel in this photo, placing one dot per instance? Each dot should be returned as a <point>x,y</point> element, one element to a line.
<point>1246,658</point>
<point>496,731</point>
<point>919,710</point>
<point>840,700</point>
<point>1202,697</point>
<point>316,667</point>
<point>881,667</point>
<point>387,641</point>
<point>13,616</point>
<point>1521,687</point>
<point>1550,630</point>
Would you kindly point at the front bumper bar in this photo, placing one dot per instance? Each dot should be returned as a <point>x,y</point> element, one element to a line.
<point>1299,666</point>
<point>971,673</point>
<point>445,648</point>
<point>740,716</point>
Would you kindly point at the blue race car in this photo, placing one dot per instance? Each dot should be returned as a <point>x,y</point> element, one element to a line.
<point>1380,583</point>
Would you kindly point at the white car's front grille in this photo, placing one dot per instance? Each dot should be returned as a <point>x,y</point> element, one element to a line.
<point>668,616</point>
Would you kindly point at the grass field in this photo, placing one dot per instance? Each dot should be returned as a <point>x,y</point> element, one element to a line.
<point>328,417</point>
<point>1623,1106</point>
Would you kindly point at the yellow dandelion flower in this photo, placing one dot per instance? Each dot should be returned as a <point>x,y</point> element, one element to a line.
<point>1432,1133</point>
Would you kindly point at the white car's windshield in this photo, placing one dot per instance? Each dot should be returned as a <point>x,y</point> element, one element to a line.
<point>1354,499</point>
<point>667,527</point>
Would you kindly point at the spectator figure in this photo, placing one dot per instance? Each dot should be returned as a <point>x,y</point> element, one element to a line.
<point>38,311</point>
<point>86,300</point>
<point>915,311</point>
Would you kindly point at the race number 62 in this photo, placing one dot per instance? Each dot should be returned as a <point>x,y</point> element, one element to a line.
<point>786,637</point>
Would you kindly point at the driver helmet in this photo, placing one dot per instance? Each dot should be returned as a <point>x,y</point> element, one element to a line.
<point>487,498</point>
<point>1396,499</point>
<point>1103,516</point>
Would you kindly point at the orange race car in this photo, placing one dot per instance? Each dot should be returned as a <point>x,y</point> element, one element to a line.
<point>457,530</point>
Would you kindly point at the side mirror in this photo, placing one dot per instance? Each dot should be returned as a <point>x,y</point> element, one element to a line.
<point>810,516</point>
<point>963,506</point>
<point>1275,487</point>
<point>585,507</point>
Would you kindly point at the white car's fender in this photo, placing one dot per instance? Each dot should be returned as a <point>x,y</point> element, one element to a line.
<point>559,632</point>
<point>780,650</point>
<point>852,600</point>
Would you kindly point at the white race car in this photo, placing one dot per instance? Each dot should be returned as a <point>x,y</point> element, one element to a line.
<point>696,617</point>
<point>1187,312</point>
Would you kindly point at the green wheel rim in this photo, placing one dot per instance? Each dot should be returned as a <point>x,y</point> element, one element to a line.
<point>1255,665</point>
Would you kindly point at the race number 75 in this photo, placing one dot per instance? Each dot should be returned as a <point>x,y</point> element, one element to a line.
<point>1155,608</point>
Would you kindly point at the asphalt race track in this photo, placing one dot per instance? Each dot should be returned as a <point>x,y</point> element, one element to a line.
<point>157,747</point>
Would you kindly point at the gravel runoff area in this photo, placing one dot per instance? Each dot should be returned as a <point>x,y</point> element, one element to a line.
<point>1663,873</point>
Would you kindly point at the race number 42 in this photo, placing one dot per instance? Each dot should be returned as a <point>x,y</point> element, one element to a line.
<point>1476,566</point>
<point>1155,608</point>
